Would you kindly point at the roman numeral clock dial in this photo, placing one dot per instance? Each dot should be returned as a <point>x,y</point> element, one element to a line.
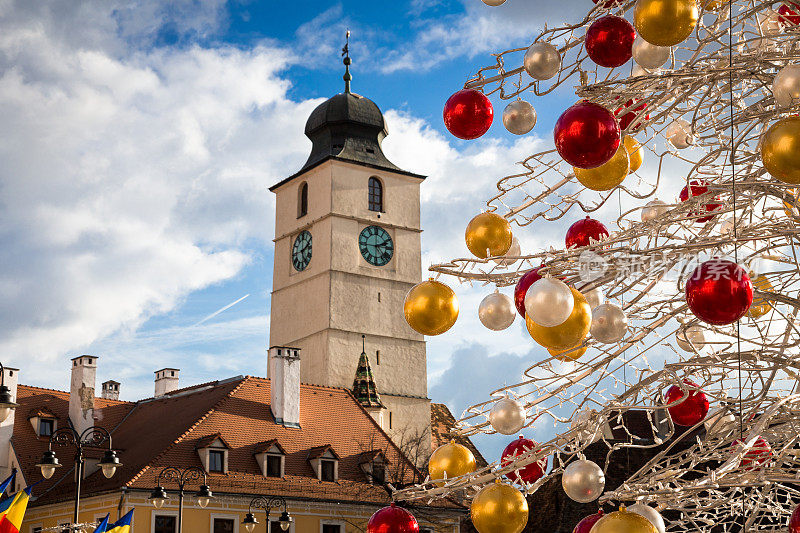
<point>376,245</point>
<point>301,251</point>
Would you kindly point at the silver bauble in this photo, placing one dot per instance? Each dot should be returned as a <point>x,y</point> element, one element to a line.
<point>514,251</point>
<point>494,3</point>
<point>507,416</point>
<point>549,302</point>
<point>679,134</point>
<point>519,117</point>
<point>609,323</point>
<point>653,210</point>
<point>651,514</point>
<point>542,61</point>
<point>583,481</point>
<point>497,311</point>
<point>688,336</point>
<point>786,86</point>
<point>649,55</point>
<point>594,297</point>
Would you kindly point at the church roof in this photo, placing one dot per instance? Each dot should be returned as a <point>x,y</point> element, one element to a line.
<point>364,388</point>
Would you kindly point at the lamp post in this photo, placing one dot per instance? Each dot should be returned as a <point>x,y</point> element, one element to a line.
<point>267,503</point>
<point>91,437</point>
<point>182,478</point>
<point>7,403</point>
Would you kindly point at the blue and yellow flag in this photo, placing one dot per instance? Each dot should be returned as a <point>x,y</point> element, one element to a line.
<point>11,519</point>
<point>123,525</point>
<point>103,526</point>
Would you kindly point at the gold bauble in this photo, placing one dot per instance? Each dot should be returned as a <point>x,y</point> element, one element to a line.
<point>499,508</point>
<point>431,308</point>
<point>452,459</point>
<point>760,306</point>
<point>635,152</point>
<point>568,334</point>
<point>713,5</point>
<point>488,231</point>
<point>780,150</point>
<point>623,521</point>
<point>608,175</point>
<point>563,355</point>
<point>665,22</point>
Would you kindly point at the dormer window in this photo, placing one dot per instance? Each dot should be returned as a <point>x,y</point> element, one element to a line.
<point>216,460</point>
<point>271,458</point>
<point>213,453</point>
<point>325,463</point>
<point>46,427</point>
<point>374,464</point>
<point>328,470</point>
<point>43,422</point>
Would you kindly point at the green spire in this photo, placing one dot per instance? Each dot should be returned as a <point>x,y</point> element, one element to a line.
<point>364,388</point>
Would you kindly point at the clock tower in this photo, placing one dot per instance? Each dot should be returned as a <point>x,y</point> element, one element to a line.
<point>347,250</point>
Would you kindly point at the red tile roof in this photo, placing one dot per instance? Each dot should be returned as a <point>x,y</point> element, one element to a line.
<point>442,424</point>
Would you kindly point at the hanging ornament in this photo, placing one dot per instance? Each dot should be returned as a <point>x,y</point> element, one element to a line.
<point>549,302</point>
<point>628,113</point>
<point>507,416</point>
<point>494,3</point>
<point>594,297</point>
<point>519,117</point>
<point>392,519</point>
<point>719,292</point>
<point>431,307</point>
<point>586,419</point>
<point>780,150</point>
<point>624,521</point>
<point>499,508</point>
<point>794,521</point>
<point>542,61</point>
<point>521,289</point>
<point>760,306</point>
<point>690,338</point>
<point>488,235</point>
<point>691,410</point>
<point>665,22</point>
<point>758,454</point>
<point>635,152</point>
<point>585,232</point>
<point>698,188</point>
<point>496,311</point>
<point>649,55</point>
<point>468,114</point>
<point>609,40</point>
<point>679,134</point>
<point>653,210</point>
<point>789,16</point>
<point>585,525</point>
<point>586,135</point>
<point>507,258</point>
<point>609,323</point>
<point>570,354</point>
<point>528,473</point>
<point>583,481</point>
<point>653,516</point>
<point>566,335</point>
<point>450,460</point>
<point>786,86</point>
<point>608,175</point>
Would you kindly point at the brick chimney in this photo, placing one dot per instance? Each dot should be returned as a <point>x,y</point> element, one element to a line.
<point>81,392</point>
<point>284,373</point>
<point>166,381</point>
<point>10,377</point>
<point>111,390</point>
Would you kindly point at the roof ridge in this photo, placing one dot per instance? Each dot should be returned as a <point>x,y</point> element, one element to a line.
<point>189,430</point>
<point>36,387</point>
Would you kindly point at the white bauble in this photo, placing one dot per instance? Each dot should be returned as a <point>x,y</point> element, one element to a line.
<point>594,297</point>
<point>649,55</point>
<point>609,323</point>
<point>514,251</point>
<point>494,3</point>
<point>542,61</point>
<point>497,311</point>
<point>519,117</point>
<point>691,335</point>
<point>679,134</point>
<point>549,302</point>
<point>507,416</point>
<point>583,481</point>
<point>786,86</point>
<point>653,210</point>
<point>651,514</point>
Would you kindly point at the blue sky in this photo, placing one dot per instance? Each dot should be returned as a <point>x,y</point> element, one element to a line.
<point>141,139</point>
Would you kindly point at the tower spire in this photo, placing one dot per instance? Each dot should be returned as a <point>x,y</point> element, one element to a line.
<point>364,388</point>
<point>346,53</point>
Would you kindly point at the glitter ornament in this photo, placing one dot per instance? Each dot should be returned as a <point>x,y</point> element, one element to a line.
<point>780,150</point>
<point>450,460</point>
<point>654,209</point>
<point>665,22</point>
<point>690,338</point>
<point>542,61</point>
<point>653,516</point>
<point>609,323</point>
<point>758,454</point>
<point>519,117</point>
<point>521,289</point>
<point>583,481</point>
<point>488,235</point>
<point>786,86</point>
<point>608,175</point>
<point>624,521</point>
<point>629,112</point>
<point>585,525</point>
<point>499,508</point>
<point>566,335</point>
<point>648,55</point>
<point>496,311</point>
<point>507,416</point>
<point>549,302</point>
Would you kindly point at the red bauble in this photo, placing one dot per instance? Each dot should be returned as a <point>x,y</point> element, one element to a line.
<point>758,454</point>
<point>696,188</point>
<point>690,411</point>
<point>530,473</point>
<point>629,113</point>
<point>789,16</point>
<point>719,292</point>
<point>585,232</point>
<point>794,522</point>
<point>468,114</point>
<point>587,135</point>
<point>527,279</point>
<point>609,40</point>
<point>392,519</point>
<point>585,525</point>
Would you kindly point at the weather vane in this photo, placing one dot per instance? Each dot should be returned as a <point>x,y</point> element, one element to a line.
<point>346,53</point>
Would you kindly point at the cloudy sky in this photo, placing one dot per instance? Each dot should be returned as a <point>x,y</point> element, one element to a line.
<point>138,143</point>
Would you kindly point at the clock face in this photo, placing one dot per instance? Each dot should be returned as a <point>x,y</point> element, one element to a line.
<point>301,251</point>
<point>376,245</point>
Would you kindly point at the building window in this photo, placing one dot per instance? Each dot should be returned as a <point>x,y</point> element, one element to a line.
<point>274,463</point>
<point>377,357</point>
<point>390,420</point>
<point>46,427</point>
<point>331,528</point>
<point>216,461</point>
<point>223,525</point>
<point>378,473</point>
<point>328,470</point>
<point>164,524</point>
<point>375,195</point>
<point>302,201</point>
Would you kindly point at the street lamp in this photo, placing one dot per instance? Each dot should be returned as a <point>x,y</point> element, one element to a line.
<point>91,437</point>
<point>182,477</point>
<point>260,502</point>
<point>7,403</point>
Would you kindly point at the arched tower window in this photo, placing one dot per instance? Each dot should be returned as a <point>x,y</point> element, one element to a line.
<point>302,201</point>
<point>375,195</point>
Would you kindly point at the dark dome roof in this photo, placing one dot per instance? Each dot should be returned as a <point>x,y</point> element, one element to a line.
<point>346,108</point>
